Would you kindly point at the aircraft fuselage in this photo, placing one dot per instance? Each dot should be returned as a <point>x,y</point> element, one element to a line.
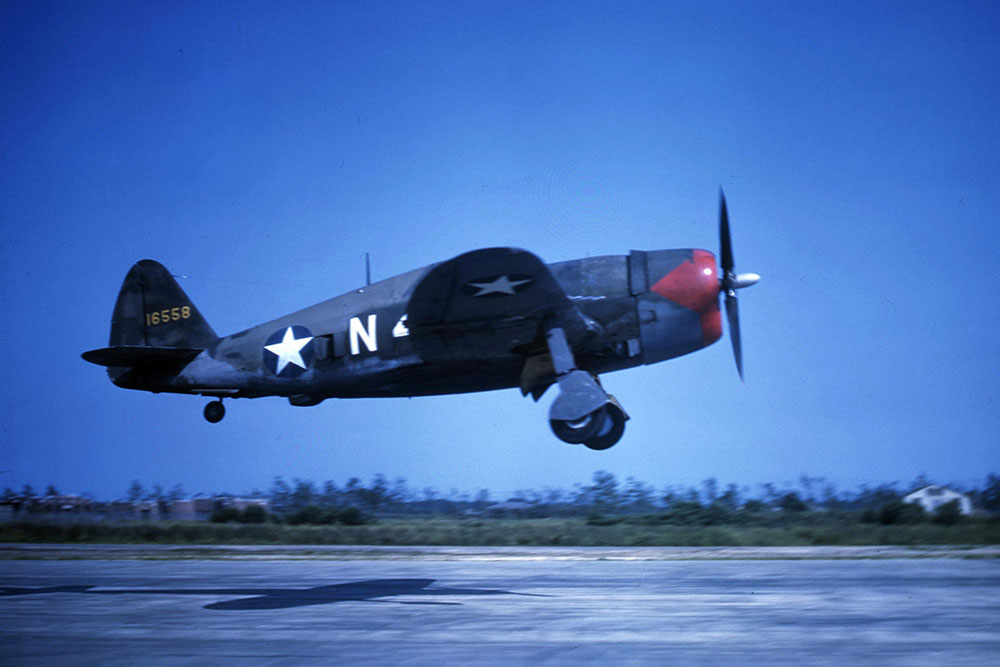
<point>359,344</point>
<point>493,318</point>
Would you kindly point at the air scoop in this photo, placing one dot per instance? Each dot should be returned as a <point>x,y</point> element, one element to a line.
<point>730,281</point>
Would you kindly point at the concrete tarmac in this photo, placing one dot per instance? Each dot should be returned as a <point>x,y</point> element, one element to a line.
<point>481,610</point>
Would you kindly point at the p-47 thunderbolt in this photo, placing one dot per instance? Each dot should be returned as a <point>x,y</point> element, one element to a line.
<point>489,319</point>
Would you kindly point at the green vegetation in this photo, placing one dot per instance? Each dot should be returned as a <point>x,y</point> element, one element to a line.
<point>602,513</point>
<point>598,530</point>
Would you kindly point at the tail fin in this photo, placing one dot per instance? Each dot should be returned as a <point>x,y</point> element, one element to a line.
<point>152,310</point>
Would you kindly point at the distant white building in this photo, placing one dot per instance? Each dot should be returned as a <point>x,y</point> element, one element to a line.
<point>933,496</point>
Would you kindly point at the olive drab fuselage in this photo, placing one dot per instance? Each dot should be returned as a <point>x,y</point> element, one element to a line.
<point>488,319</point>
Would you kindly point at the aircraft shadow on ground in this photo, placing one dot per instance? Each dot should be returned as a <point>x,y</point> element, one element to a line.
<point>373,590</point>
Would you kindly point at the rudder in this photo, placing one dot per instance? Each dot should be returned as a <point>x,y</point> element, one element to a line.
<point>153,310</point>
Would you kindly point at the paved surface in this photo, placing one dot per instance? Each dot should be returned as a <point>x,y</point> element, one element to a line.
<point>87,551</point>
<point>500,611</point>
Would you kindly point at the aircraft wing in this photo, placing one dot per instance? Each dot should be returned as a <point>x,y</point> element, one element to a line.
<point>489,302</point>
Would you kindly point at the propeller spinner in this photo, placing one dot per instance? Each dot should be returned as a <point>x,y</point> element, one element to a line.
<point>731,281</point>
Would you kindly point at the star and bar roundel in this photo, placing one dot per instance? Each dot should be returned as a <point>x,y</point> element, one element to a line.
<point>288,353</point>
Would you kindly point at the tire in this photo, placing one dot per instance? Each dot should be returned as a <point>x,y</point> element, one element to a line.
<point>577,432</point>
<point>214,412</point>
<point>611,430</point>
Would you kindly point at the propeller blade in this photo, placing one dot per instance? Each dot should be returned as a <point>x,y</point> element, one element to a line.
<point>725,242</point>
<point>733,315</point>
<point>730,282</point>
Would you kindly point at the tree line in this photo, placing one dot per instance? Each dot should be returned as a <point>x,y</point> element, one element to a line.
<point>607,494</point>
<point>604,498</point>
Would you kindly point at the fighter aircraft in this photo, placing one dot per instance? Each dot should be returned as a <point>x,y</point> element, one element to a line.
<point>493,318</point>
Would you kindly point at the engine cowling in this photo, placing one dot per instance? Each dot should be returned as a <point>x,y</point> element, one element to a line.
<point>677,301</point>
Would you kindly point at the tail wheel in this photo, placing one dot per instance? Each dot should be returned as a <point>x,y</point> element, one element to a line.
<point>581,430</point>
<point>611,429</point>
<point>214,412</point>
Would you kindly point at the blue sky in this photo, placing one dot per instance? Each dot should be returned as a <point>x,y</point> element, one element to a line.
<point>259,151</point>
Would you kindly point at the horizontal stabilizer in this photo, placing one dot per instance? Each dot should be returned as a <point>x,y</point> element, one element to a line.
<point>130,356</point>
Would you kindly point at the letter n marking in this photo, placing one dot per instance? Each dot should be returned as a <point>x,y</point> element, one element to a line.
<point>367,336</point>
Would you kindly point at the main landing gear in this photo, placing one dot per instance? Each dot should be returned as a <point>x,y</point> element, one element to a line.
<point>582,412</point>
<point>600,429</point>
<point>215,411</point>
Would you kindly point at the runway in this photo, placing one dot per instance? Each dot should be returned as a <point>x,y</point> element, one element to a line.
<point>542,609</point>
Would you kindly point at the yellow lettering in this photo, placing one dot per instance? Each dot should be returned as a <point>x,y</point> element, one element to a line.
<point>166,315</point>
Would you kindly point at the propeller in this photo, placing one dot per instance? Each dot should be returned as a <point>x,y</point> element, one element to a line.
<point>731,281</point>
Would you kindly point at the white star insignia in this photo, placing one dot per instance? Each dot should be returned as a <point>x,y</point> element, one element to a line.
<point>289,350</point>
<point>502,285</point>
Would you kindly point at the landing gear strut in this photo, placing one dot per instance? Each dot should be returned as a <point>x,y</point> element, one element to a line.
<point>582,412</point>
<point>215,411</point>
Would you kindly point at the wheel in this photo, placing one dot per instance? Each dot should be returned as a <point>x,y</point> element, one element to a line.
<point>215,411</point>
<point>611,430</point>
<point>576,432</point>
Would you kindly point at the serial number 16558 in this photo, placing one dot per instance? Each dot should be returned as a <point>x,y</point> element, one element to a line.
<point>168,315</point>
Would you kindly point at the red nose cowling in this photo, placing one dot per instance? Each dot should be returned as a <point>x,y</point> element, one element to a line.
<point>694,284</point>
